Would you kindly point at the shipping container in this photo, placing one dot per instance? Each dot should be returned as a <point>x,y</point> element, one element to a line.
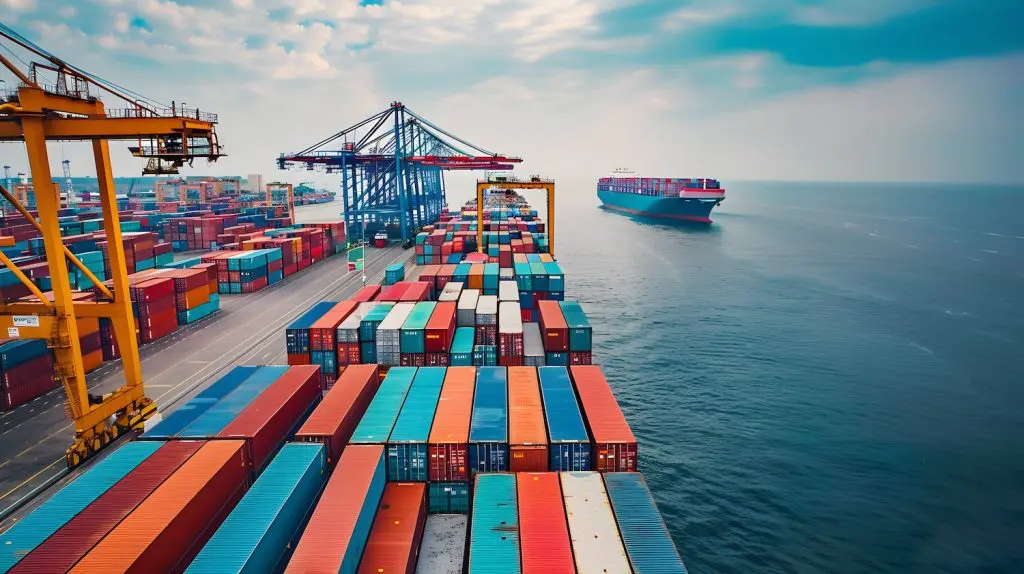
<point>487,310</point>
<point>554,330</point>
<point>615,447</point>
<point>466,314</point>
<point>166,531</point>
<point>444,544</point>
<point>221,413</point>
<point>533,346</point>
<point>389,334</point>
<point>368,326</point>
<point>543,534</point>
<point>367,293</point>
<point>556,280</point>
<point>335,536</point>
<point>508,291</point>
<point>580,332</point>
<point>335,418</point>
<point>596,543</point>
<point>186,414</point>
<point>449,434</point>
<point>448,497</point>
<point>348,330</point>
<point>527,434</point>
<point>265,524</point>
<point>440,328</point>
<point>494,526</point>
<point>488,434</point>
<point>407,446</point>
<point>570,445</point>
<point>375,426</point>
<point>461,352</point>
<point>451,292</point>
<point>644,533</point>
<point>394,542</point>
<point>510,334</point>
<point>74,540</point>
<point>297,333</point>
<point>412,338</point>
<point>275,414</point>
<point>322,332</point>
<point>67,502</point>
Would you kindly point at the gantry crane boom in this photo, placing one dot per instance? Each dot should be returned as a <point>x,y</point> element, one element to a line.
<point>37,113</point>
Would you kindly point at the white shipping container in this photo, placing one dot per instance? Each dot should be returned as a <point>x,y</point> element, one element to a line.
<point>487,310</point>
<point>389,334</point>
<point>506,273</point>
<point>533,346</point>
<point>508,291</point>
<point>510,319</point>
<point>466,311</point>
<point>348,330</point>
<point>596,543</point>
<point>451,292</point>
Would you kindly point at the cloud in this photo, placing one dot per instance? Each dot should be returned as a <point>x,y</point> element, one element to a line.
<point>18,5</point>
<point>856,12</point>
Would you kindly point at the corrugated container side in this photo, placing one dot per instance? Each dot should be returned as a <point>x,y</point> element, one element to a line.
<point>259,531</point>
<point>543,532</point>
<point>167,530</point>
<point>570,444</point>
<point>274,415</point>
<point>527,434</point>
<point>440,328</point>
<point>508,291</point>
<point>75,538</point>
<point>466,311</point>
<point>554,330</point>
<point>596,544</point>
<point>615,447</point>
<point>224,411</point>
<point>187,413</point>
<point>412,332</point>
<point>394,542</point>
<point>488,434</point>
<point>348,330</point>
<point>643,530</point>
<point>444,544</point>
<point>533,345</point>
<point>448,497</point>
<point>449,435</point>
<point>335,418</point>
<point>375,426</point>
<point>494,526</point>
<point>407,458</point>
<point>451,292</point>
<point>51,515</point>
<point>334,538</point>
<point>389,334</point>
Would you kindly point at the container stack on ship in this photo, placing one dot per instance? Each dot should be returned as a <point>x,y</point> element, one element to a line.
<point>449,419</point>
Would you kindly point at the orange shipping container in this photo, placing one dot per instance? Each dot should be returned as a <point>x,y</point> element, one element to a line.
<point>166,531</point>
<point>394,543</point>
<point>476,276</point>
<point>543,531</point>
<point>448,444</point>
<point>614,444</point>
<point>196,297</point>
<point>527,433</point>
<point>322,333</point>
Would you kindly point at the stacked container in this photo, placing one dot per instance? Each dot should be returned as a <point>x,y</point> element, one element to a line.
<point>615,447</point>
<point>394,541</point>
<point>407,458</point>
<point>596,543</point>
<point>389,335</point>
<point>376,425</point>
<point>461,352</point>
<point>554,333</point>
<point>466,314</point>
<point>448,442</point>
<point>335,418</point>
<point>569,443</point>
<point>297,333</point>
<point>368,331</point>
<point>347,335</point>
<point>510,335</point>
<point>527,433</point>
<point>494,545</point>
<point>26,371</point>
<point>413,336</point>
<point>439,334</point>
<point>488,435</point>
<point>533,346</point>
<point>580,333</point>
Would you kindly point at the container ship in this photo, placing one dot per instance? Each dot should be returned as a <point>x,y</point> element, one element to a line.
<point>449,418</point>
<point>683,199</point>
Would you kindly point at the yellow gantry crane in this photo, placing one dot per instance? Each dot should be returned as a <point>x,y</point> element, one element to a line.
<point>71,110</point>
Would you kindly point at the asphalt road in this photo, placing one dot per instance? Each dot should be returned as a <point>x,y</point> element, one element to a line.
<point>249,329</point>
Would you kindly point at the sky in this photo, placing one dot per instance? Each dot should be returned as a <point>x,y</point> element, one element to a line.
<point>876,90</point>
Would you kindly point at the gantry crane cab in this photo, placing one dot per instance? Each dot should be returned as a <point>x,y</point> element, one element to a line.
<point>69,111</point>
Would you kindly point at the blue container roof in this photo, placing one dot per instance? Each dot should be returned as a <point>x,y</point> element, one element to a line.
<point>490,406</point>
<point>186,414</point>
<point>221,413</point>
<point>376,424</point>
<point>37,526</point>
<point>648,543</point>
<point>565,423</point>
<point>417,415</point>
<point>307,319</point>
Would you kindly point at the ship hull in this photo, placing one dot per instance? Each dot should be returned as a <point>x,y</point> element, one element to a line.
<point>680,209</point>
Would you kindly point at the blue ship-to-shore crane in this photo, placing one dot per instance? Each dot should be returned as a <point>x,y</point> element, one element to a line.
<point>391,174</point>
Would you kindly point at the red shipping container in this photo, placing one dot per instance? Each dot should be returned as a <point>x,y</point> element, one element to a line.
<point>580,358</point>
<point>329,532</point>
<point>417,291</point>
<point>413,360</point>
<point>366,294</point>
<point>448,443</point>
<point>615,448</point>
<point>437,359</point>
<point>527,431</point>
<point>298,359</point>
<point>166,531</point>
<point>394,542</point>
<point>544,542</point>
<point>440,328</point>
<point>348,354</point>
<point>27,381</point>
<point>322,333</point>
<point>485,335</point>
<point>429,274</point>
<point>266,422</point>
<point>74,540</point>
<point>336,417</point>
<point>554,332</point>
<point>393,292</point>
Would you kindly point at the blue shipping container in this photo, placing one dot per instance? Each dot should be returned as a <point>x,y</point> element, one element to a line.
<point>448,498</point>
<point>220,414</point>
<point>266,522</point>
<point>297,333</point>
<point>407,445</point>
<point>648,543</point>
<point>59,509</point>
<point>569,442</point>
<point>378,421</point>
<point>187,413</point>
<point>488,432</point>
<point>494,526</point>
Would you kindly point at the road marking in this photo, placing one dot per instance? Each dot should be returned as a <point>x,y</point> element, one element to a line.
<point>27,480</point>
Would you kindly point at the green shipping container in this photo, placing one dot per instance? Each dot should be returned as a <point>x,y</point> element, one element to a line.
<point>412,339</point>
<point>580,332</point>
<point>448,498</point>
<point>462,348</point>
<point>379,419</point>
<point>494,528</point>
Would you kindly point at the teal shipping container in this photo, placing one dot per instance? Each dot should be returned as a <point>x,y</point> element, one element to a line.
<point>187,413</point>
<point>394,273</point>
<point>524,276</point>
<point>540,277</point>
<point>494,526</point>
<point>461,353</point>
<point>461,274</point>
<point>488,429</point>
<point>556,279</point>
<point>368,326</point>
<point>491,278</point>
<point>412,334</point>
<point>265,524</point>
<point>59,509</point>
<point>380,417</point>
<point>218,416</point>
<point>407,446</point>
<point>647,540</point>
<point>581,336</point>
<point>448,498</point>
